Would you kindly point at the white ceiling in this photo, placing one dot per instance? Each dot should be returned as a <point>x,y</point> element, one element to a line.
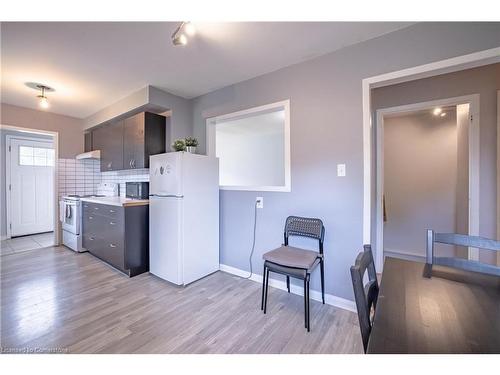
<point>92,65</point>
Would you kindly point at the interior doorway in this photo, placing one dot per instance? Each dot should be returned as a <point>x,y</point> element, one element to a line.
<point>29,212</point>
<point>427,173</point>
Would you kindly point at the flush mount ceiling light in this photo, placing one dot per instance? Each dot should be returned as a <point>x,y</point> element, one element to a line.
<point>43,101</point>
<point>180,35</point>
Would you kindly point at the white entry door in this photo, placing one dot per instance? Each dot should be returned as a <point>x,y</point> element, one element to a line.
<point>31,186</point>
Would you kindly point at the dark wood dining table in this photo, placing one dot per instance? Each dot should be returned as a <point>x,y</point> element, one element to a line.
<point>438,310</point>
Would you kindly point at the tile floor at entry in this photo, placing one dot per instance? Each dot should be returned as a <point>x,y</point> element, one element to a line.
<point>25,243</point>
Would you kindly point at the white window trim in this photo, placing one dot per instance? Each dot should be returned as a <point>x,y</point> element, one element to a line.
<point>212,122</point>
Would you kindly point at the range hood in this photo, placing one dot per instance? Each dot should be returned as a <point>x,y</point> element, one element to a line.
<point>89,155</point>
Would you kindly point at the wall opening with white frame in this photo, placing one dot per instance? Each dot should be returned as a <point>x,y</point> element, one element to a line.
<point>473,166</point>
<point>253,147</point>
<point>54,136</point>
<point>454,64</point>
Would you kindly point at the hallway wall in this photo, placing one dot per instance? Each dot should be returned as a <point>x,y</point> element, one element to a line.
<point>420,180</point>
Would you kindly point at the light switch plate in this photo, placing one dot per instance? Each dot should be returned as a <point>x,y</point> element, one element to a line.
<point>340,170</point>
<point>260,202</point>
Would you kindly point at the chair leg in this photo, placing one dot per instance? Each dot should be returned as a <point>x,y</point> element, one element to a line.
<point>265,293</point>
<point>308,309</point>
<point>288,283</point>
<point>305,303</point>
<point>322,268</point>
<point>263,287</point>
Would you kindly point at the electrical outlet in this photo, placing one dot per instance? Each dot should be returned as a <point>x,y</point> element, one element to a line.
<point>340,170</point>
<point>260,202</point>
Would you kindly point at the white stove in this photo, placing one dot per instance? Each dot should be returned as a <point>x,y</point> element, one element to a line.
<point>70,214</point>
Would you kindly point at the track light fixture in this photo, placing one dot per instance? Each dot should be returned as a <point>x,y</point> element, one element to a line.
<point>181,33</point>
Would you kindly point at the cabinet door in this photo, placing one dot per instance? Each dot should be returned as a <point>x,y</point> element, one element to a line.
<point>88,142</point>
<point>155,136</point>
<point>133,142</point>
<point>109,139</point>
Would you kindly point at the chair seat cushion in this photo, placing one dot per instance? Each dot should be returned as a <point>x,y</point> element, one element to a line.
<point>292,257</point>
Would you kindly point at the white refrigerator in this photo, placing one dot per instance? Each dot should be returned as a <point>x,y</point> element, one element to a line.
<point>183,216</point>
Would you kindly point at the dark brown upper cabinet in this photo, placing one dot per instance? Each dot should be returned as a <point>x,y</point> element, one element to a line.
<point>87,142</point>
<point>109,139</point>
<point>128,143</point>
<point>143,135</point>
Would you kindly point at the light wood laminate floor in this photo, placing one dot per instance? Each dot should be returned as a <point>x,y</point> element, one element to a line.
<point>61,301</point>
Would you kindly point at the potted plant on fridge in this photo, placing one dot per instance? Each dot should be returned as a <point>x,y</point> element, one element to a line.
<point>191,144</point>
<point>179,145</point>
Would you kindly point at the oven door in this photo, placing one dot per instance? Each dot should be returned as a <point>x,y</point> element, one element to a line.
<point>70,215</point>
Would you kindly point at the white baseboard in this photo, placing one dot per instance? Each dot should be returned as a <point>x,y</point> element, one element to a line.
<point>315,295</point>
<point>406,255</point>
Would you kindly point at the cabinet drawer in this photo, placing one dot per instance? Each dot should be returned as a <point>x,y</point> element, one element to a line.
<point>107,249</point>
<point>91,242</point>
<point>93,224</point>
<point>112,212</point>
<point>113,253</point>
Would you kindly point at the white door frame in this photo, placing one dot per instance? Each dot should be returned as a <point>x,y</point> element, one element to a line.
<point>474,158</point>
<point>476,59</point>
<point>55,139</point>
<point>498,173</point>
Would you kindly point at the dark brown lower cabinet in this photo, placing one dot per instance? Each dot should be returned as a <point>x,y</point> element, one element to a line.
<point>118,235</point>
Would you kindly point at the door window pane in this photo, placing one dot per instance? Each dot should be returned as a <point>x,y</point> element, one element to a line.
<point>26,150</point>
<point>37,156</point>
<point>25,160</point>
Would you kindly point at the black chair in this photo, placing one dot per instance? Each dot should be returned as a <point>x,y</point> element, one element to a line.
<point>295,262</point>
<point>460,240</point>
<point>365,295</point>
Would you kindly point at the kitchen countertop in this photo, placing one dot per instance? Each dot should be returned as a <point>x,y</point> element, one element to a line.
<point>117,201</point>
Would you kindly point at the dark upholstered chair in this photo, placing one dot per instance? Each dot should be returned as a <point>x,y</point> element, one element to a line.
<point>295,262</point>
<point>365,295</point>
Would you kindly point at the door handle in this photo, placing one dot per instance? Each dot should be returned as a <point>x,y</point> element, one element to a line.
<point>112,223</point>
<point>133,163</point>
<point>112,211</point>
<point>90,217</point>
<point>96,208</point>
<point>112,245</point>
<point>91,238</point>
<point>130,163</point>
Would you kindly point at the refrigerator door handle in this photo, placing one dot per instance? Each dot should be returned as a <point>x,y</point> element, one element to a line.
<point>166,195</point>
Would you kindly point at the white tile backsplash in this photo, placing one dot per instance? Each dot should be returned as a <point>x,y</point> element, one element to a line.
<point>121,177</point>
<point>78,176</point>
<point>83,176</point>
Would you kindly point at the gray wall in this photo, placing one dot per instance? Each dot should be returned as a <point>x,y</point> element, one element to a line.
<point>484,81</point>
<point>70,129</point>
<point>420,179</point>
<point>3,192</point>
<point>326,129</point>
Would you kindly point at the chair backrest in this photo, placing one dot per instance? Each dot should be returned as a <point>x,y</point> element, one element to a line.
<point>461,240</point>
<point>305,227</point>
<point>365,295</point>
